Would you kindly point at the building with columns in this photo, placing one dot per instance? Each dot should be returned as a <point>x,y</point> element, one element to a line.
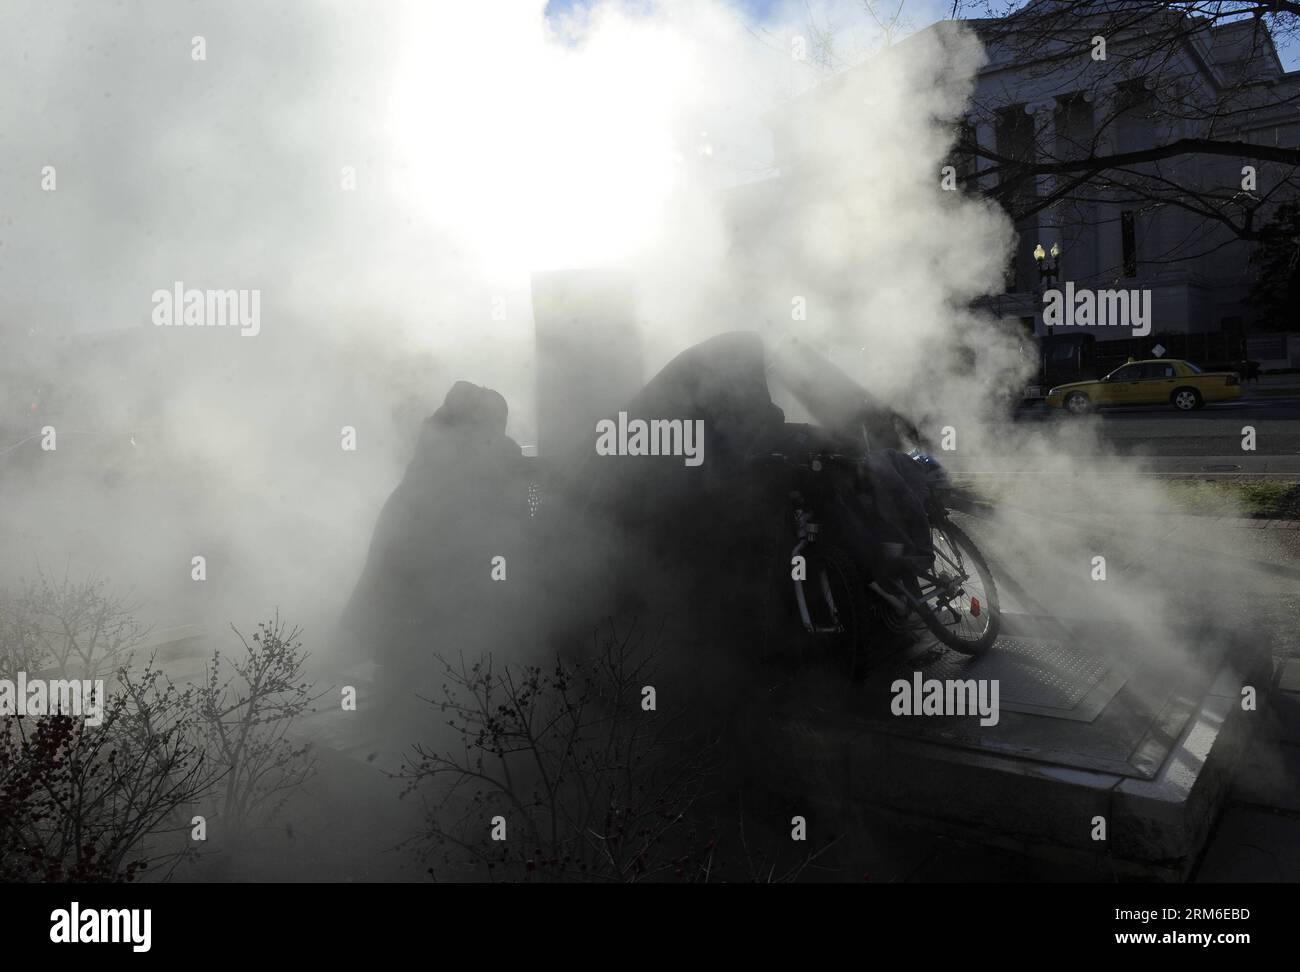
<point>1067,80</point>
<point>1156,229</point>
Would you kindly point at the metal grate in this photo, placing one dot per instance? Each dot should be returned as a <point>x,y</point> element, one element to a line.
<point>1033,674</point>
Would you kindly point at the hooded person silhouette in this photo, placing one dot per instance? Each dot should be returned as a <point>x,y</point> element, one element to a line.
<point>427,586</point>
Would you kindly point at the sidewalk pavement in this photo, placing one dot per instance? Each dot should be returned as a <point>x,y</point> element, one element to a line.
<point>1269,385</point>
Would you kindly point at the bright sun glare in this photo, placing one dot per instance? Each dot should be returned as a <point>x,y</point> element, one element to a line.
<point>563,159</point>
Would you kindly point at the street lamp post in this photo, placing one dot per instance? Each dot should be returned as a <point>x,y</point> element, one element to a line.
<point>1047,271</point>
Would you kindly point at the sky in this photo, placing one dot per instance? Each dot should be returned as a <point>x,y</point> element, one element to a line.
<point>760,13</point>
<point>920,13</point>
<point>759,9</point>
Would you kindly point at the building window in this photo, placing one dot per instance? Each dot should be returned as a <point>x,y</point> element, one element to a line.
<point>1014,140</point>
<point>967,162</point>
<point>1128,241</point>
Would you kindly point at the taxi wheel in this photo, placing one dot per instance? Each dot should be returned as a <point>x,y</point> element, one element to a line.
<point>1186,399</point>
<point>1077,403</point>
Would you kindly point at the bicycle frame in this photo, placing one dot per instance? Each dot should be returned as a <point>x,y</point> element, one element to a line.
<point>937,583</point>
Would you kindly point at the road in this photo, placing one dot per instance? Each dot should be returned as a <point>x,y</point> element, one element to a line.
<point>1212,431</point>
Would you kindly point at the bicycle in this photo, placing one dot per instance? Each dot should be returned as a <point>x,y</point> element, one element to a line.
<point>850,579</point>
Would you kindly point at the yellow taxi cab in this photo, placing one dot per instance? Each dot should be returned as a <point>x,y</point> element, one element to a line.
<point>1158,381</point>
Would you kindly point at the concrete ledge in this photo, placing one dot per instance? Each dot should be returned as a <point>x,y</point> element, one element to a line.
<point>1155,828</point>
<point>1168,818</point>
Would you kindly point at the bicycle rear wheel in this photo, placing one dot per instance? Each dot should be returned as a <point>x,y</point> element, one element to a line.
<point>959,603</point>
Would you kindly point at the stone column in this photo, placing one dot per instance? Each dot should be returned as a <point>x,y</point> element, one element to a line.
<point>1107,251</point>
<point>985,127</point>
<point>1044,115</point>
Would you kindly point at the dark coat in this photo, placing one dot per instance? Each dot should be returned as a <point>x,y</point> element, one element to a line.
<point>427,587</point>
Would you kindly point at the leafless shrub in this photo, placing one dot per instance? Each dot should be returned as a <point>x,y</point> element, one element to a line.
<point>101,803</point>
<point>246,709</point>
<point>67,628</point>
<point>592,786</point>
